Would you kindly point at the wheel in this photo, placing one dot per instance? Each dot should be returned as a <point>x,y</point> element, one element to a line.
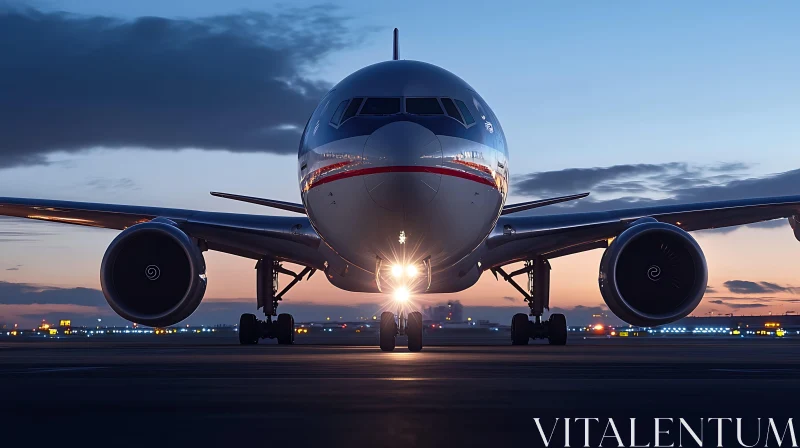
<point>557,329</point>
<point>388,331</point>
<point>248,329</point>
<point>414,331</point>
<point>520,329</point>
<point>285,333</point>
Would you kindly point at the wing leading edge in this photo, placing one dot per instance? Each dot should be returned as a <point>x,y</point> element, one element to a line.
<point>253,236</point>
<point>516,238</point>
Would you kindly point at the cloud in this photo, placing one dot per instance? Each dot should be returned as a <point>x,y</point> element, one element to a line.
<point>748,287</point>
<point>22,293</point>
<point>15,268</point>
<point>510,299</point>
<point>760,299</point>
<point>627,186</point>
<point>102,183</point>
<point>625,179</point>
<point>232,82</point>
<point>738,305</point>
<point>28,315</point>
<point>17,230</point>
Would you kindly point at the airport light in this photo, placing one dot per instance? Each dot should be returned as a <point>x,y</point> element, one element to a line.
<point>411,271</point>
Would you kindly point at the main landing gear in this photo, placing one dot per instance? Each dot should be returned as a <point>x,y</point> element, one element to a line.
<point>410,326</point>
<point>251,329</point>
<point>538,298</point>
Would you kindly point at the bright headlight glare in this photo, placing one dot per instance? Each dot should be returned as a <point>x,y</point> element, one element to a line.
<point>401,294</point>
<point>397,271</point>
<point>411,271</point>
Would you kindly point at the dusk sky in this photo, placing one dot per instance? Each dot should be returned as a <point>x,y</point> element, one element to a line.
<point>160,102</point>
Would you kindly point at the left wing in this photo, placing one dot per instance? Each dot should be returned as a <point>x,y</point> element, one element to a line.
<point>253,236</point>
<point>520,238</point>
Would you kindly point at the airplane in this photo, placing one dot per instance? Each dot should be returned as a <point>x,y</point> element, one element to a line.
<point>403,171</point>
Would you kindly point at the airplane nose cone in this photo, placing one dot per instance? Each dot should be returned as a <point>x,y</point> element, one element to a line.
<point>401,155</point>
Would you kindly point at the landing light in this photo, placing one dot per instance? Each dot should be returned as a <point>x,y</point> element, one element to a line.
<point>411,271</point>
<point>401,294</point>
<point>397,271</point>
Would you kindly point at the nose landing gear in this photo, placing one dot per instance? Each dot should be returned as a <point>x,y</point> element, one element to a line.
<point>410,326</point>
<point>251,329</point>
<point>538,298</point>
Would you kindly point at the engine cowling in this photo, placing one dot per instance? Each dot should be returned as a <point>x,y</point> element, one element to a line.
<point>653,274</point>
<point>153,274</point>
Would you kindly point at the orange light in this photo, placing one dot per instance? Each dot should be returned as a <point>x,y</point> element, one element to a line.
<point>598,327</point>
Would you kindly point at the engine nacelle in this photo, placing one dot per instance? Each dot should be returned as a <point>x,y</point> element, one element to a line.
<point>653,274</point>
<point>153,274</point>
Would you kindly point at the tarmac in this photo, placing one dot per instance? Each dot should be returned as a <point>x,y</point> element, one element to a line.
<point>183,391</point>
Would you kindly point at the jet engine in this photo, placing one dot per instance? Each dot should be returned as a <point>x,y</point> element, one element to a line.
<point>153,274</point>
<point>653,273</point>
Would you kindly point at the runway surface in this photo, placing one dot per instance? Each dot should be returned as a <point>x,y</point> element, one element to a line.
<point>211,390</point>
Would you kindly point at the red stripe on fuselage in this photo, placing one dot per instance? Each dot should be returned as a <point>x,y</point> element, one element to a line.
<point>402,169</point>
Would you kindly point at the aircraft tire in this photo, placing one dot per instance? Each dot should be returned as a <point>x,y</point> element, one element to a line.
<point>388,332</point>
<point>248,329</point>
<point>414,331</point>
<point>520,329</point>
<point>557,329</point>
<point>285,329</point>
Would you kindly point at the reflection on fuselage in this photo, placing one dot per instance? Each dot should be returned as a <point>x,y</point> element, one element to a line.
<point>426,181</point>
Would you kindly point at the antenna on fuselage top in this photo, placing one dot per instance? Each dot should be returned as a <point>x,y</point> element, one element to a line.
<point>396,44</point>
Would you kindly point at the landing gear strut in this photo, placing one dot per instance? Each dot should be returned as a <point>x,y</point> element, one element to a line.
<point>251,329</point>
<point>538,299</point>
<point>410,326</point>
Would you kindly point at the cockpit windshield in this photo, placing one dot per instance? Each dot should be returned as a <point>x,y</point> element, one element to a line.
<point>423,106</point>
<point>381,106</point>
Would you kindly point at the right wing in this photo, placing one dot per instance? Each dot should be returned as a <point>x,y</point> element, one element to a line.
<point>516,238</point>
<point>253,236</point>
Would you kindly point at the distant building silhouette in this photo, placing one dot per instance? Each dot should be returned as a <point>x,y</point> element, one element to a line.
<point>453,311</point>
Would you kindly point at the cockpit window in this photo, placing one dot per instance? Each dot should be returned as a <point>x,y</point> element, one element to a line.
<point>381,106</point>
<point>352,109</point>
<point>451,109</point>
<point>464,111</point>
<point>337,116</point>
<point>423,106</point>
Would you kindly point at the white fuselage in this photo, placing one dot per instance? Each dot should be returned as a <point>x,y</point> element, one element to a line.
<point>393,169</point>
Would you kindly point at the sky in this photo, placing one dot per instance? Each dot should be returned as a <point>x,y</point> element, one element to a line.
<point>160,102</point>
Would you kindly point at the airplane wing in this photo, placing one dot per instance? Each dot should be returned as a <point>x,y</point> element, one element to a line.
<point>517,238</point>
<point>253,236</point>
